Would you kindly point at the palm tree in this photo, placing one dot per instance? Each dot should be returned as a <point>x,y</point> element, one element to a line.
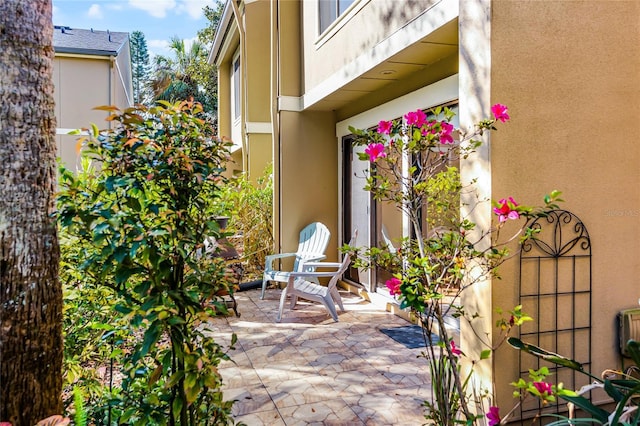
<point>175,78</point>
<point>30,293</point>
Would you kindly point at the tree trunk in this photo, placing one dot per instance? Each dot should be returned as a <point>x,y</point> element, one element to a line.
<point>30,293</point>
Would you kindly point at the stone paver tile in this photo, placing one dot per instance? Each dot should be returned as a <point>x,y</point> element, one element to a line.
<point>330,412</point>
<point>406,374</point>
<point>239,377</point>
<point>300,391</point>
<point>328,363</point>
<point>249,400</point>
<point>238,359</point>
<point>261,355</point>
<point>283,371</point>
<point>364,380</point>
<point>262,418</point>
<point>384,409</point>
<point>388,355</point>
<point>413,397</point>
<point>252,339</point>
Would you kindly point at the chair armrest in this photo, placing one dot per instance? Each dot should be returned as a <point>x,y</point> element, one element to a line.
<point>311,274</point>
<point>322,264</point>
<point>279,255</point>
<point>268,262</point>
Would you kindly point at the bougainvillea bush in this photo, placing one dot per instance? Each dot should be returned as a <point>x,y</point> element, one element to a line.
<point>412,165</point>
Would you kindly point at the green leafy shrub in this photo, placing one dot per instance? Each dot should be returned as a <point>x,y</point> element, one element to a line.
<point>250,208</point>
<point>139,292</point>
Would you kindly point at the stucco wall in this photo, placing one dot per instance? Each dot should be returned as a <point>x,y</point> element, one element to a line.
<point>258,65</point>
<point>260,154</point>
<point>570,75</point>
<point>375,21</point>
<point>308,178</point>
<point>79,86</point>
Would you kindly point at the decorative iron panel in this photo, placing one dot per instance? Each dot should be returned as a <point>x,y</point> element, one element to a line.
<point>555,289</point>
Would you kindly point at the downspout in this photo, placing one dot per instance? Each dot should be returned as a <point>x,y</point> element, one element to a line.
<point>111,86</point>
<point>275,124</point>
<point>243,122</point>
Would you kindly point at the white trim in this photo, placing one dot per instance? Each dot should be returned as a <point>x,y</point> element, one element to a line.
<point>223,27</point>
<point>83,56</point>
<point>290,103</point>
<point>438,93</point>
<point>128,95</point>
<point>259,127</point>
<point>413,32</point>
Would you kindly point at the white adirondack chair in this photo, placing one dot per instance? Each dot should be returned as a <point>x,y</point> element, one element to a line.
<point>304,284</point>
<point>313,242</point>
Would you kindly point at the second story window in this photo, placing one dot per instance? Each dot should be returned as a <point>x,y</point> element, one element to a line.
<point>236,88</point>
<point>329,10</point>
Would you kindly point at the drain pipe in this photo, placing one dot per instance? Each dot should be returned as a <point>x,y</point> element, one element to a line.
<point>275,125</point>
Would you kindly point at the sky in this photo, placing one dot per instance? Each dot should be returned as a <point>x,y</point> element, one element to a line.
<point>159,20</point>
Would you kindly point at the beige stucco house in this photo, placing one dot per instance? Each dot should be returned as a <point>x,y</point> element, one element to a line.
<point>91,68</point>
<point>293,75</point>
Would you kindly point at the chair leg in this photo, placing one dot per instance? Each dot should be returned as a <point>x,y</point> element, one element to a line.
<point>335,295</point>
<point>282,299</point>
<point>264,287</point>
<point>331,307</point>
<point>294,300</point>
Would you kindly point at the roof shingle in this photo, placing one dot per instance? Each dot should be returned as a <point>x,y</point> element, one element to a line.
<point>88,42</point>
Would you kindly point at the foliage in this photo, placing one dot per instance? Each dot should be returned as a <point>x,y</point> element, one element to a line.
<point>187,74</point>
<point>213,14</point>
<point>137,218</point>
<point>80,417</point>
<point>205,73</point>
<point>250,207</point>
<point>624,390</point>
<point>412,166</point>
<point>140,67</point>
<point>174,78</point>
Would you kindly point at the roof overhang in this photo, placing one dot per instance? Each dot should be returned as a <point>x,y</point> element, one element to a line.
<point>85,52</point>
<point>226,22</point>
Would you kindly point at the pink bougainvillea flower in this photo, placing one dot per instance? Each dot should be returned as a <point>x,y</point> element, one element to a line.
<point>375,151</point>
<point>393,285</point>
<point>500,112</point>
<point>506,210</point>
<point>543,388</point>
<point>493,416</point>
<point>415,118</point>
<point>445,133</point>
<point>384,127</point>
<point>455,350</point>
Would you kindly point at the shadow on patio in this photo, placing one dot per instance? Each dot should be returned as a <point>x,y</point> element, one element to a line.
<point>309,369</point>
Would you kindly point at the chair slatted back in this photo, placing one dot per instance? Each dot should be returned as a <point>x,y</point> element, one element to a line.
<point>313,242</point>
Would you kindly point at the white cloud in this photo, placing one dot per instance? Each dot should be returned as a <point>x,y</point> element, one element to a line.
<point>114,6</point>
<point>188,42</point>
<point>155,8</point>
<point>159,47</point>
<point>58,16</point>
<point>95,11</point>
<point>194,7</point>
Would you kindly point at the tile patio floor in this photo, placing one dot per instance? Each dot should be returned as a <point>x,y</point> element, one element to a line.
<point>309,369</point>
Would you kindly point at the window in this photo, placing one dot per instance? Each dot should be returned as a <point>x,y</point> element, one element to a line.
<point>236,88</point>
<point>329,10</point>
